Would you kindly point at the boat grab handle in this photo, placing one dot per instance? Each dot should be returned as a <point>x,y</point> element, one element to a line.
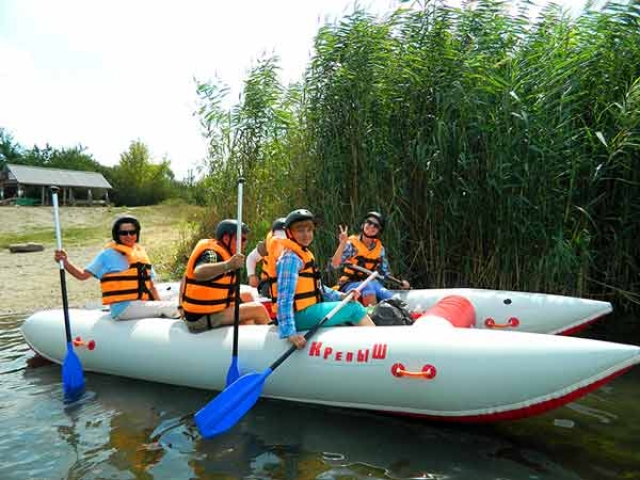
<point>428,372</point>
<point>78,342</point>
<point>511,323</point>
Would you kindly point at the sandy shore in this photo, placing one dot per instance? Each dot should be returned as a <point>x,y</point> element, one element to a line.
<point>31,281</point>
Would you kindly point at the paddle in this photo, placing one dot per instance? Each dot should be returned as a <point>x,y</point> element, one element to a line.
<point>234,370</point>
<point>72,377</point>
<point>224,411</point>
<point>369,272</point>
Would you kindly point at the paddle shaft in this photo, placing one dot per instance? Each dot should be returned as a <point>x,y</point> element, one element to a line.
<point>315,328</point>
<point>237,398</point>
<point>236,306</point>
<point>63,280</point>
<point>369,272</point>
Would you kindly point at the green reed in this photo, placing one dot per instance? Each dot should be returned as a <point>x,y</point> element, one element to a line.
<point>503,149</point>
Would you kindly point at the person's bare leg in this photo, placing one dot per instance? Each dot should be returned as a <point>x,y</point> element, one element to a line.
<point>255,312</point>
<point>250,313</point>
<point>246,297</point>
<point>227,316</point>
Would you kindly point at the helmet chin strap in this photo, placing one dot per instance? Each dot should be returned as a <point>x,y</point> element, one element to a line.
<point>369,236</point>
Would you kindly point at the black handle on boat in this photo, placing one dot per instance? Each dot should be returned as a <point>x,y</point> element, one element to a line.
<point>225,410</point>
<point>72,376</point>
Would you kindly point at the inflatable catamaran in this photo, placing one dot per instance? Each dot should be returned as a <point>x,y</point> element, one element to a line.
<point>431,369</point>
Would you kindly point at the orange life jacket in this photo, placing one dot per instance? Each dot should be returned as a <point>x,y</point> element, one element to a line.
<point>207,296</point>
<point>264,276</point>
<point>274,249</point>
<point>364,257</point>
<point>134,283</point>
<point>308,288</point>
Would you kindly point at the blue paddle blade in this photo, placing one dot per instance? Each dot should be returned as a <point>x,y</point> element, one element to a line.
<point>72,377</point>
<point>234,371</point>
<point>224,411</point>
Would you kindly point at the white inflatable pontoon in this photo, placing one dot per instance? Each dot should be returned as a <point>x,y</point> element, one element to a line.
<point>430,369</point>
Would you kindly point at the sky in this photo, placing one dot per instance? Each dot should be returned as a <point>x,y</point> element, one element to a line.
<point>104,74</point>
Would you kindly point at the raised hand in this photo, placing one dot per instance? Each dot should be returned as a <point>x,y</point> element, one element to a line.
<point>343,234</point>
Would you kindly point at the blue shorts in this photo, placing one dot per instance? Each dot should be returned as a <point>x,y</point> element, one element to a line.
<point>351,312</point>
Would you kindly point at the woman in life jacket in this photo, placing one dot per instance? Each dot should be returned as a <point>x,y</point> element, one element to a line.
<point>261,255</point>
<point>299,297</point>
<point>207,291</point>
<point>364,250</point>
<point>125,274</point>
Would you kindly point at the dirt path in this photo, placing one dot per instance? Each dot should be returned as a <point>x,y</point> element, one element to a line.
<point>31,281</point>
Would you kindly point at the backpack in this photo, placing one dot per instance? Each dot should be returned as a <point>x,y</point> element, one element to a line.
<point>391,312</point>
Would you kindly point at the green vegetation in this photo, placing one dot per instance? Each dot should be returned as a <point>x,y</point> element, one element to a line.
<point>503,150</point>
<point>136,180</point>
<point>72,236</point>
<point>140,182</point>
<point>165,228</point>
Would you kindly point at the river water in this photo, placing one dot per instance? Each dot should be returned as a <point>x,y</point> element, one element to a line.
<point>129,429</point>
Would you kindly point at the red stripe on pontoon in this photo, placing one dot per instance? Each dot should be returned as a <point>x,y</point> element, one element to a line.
<point>579,328</point>
<point>523,412</point>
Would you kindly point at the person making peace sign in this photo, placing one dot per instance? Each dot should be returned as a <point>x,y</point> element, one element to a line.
<point>364,250</point>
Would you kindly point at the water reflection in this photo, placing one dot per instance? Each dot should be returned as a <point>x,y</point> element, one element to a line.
<point>124,429</point>
<point>147,430</point>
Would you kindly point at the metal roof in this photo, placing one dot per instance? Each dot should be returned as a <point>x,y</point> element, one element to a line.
<point>27,175</point>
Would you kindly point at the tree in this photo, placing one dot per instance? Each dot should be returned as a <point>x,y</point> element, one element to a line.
<point>10,151</point>
<point>137,181</point>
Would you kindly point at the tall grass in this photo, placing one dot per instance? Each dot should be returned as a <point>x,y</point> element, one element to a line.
<point>503,150</point>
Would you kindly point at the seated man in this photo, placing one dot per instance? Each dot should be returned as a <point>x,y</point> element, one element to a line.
<point>207,292</point>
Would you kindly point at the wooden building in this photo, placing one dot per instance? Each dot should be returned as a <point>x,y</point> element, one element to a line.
<point>27,185</point>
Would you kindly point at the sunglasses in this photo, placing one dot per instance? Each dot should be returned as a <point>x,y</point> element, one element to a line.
<point>127,232</point>
<point>369,222</point>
